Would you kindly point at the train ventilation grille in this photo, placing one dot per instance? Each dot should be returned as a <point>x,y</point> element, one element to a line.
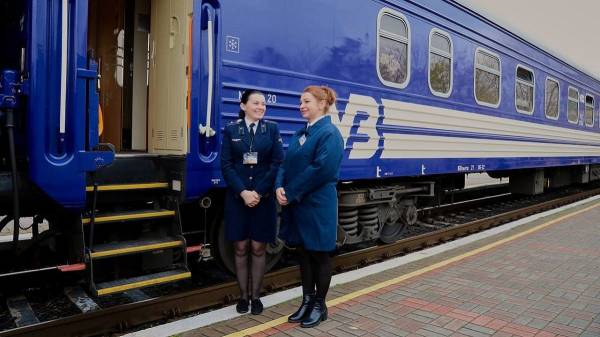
<point>159,135</point>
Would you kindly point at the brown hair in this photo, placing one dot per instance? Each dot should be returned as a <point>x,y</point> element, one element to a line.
<point>322,93</point>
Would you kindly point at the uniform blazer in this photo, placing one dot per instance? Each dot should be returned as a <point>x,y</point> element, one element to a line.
<point>309,176</point>
<point>260,177</point>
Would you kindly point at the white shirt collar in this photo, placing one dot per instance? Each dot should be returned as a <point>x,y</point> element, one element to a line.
<point>248,122</point>
<point>315,121</point>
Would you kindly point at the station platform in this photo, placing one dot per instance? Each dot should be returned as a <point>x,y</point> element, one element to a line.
<point>538,276</point>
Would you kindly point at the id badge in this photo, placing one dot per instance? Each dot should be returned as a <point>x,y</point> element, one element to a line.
<point>302,139</point>
<point>250,158</point>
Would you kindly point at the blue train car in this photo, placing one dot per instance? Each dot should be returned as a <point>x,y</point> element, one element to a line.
<point>112,113</point>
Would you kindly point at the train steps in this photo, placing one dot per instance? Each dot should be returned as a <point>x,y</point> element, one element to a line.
<point>133,236</point>
<point>129,215</point>
<point>111,287</point>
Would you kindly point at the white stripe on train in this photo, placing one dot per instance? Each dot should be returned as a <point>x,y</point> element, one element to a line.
<point>428,119</point>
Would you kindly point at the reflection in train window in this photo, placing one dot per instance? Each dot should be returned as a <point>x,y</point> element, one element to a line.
<point>487,78</point>
<point>524,90</point>
<point>573,105</point>
<point>552,97</point>
<point>440,63</point>
<point>589,110</point>
<point>393,50</point>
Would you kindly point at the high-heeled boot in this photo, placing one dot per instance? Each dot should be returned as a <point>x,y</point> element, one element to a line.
<point>316,315</point>
<point>307,302</point>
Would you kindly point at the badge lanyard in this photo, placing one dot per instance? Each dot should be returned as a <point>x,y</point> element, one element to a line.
<point>251,157</point>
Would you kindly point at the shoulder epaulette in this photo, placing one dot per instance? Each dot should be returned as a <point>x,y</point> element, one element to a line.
<point>235,122</point>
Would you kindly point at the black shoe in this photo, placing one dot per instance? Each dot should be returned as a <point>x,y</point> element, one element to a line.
<point>242,306</point>
<point>305,307</point>
<point>316,315</point>
<point>257,307</point>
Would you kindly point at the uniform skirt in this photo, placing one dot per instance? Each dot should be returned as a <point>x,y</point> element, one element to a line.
<point>258,223</point>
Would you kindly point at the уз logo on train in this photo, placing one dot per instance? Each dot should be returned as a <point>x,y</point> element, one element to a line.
<point>409,130</point>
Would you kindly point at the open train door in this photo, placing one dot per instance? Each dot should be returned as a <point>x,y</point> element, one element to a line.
<point>169,51</point>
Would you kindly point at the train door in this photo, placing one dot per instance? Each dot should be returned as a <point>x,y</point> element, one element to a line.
<point>142,50</point>
<point>118,36</point>
<point>169,53</point>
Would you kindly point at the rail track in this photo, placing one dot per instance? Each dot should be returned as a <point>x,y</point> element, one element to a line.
<point>440,224</point>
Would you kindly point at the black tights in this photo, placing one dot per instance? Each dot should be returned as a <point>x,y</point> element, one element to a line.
<point>257,269</point>
<point>315,270</point>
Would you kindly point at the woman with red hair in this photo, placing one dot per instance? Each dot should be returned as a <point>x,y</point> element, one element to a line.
<point>306,187</point>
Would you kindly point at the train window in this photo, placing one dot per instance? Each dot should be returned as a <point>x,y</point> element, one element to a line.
<point>524,90</point>
<point>552,98</point>
<point>440,63</point>
<point>589,110</point>
<point>393,49</point>
<point>573,106</point>
<point>487,78</point>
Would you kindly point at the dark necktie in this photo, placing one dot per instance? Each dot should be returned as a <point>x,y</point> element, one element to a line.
<point>251,132</point>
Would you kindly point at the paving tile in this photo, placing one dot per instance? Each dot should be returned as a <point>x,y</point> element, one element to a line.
<point>442,321</point>
<point>517,332</point>
<point>438,330</point>
<point>562,319</point>
<point>351,329</point>
<point>383,333</point>
<point>523,328</point>
<point>545,334</point>
<point>328,325</point>
<point>537,323</point>
<point>340,333</point>
<point>419,318</point>
<point>429,333</point>
<point>426,313</point>
<point>579,323</point>
<point>479,328</point>
<point>524,320</point>
<point>540,314</point>
<point>593,308</point>
<point>455,324</point>
<point>408,324</point>
<point>502,334</point>
<point>562,329</point>
<point>472,333</point>
<point>461,316</point>
<point>395,330</point>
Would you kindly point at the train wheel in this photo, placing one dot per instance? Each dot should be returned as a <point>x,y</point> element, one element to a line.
<point>397,219</point>
<point>391,232</point>
<point>225,255</point>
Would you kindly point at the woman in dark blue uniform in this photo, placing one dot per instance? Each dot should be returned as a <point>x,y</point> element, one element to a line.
<point>306,186</point>
<point>250,157</point>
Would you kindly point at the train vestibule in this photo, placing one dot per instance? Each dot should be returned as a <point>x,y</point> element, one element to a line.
<point>143,49</point>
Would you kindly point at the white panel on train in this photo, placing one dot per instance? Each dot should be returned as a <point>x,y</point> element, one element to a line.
<point>167,114</point>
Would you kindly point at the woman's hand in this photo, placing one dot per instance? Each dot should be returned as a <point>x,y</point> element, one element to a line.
<point>281,198</point>
<point>251,198</point>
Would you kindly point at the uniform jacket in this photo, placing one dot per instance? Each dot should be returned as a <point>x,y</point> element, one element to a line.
<point>236,141</point>
<point>259,177</point>
<point>309,176</point>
